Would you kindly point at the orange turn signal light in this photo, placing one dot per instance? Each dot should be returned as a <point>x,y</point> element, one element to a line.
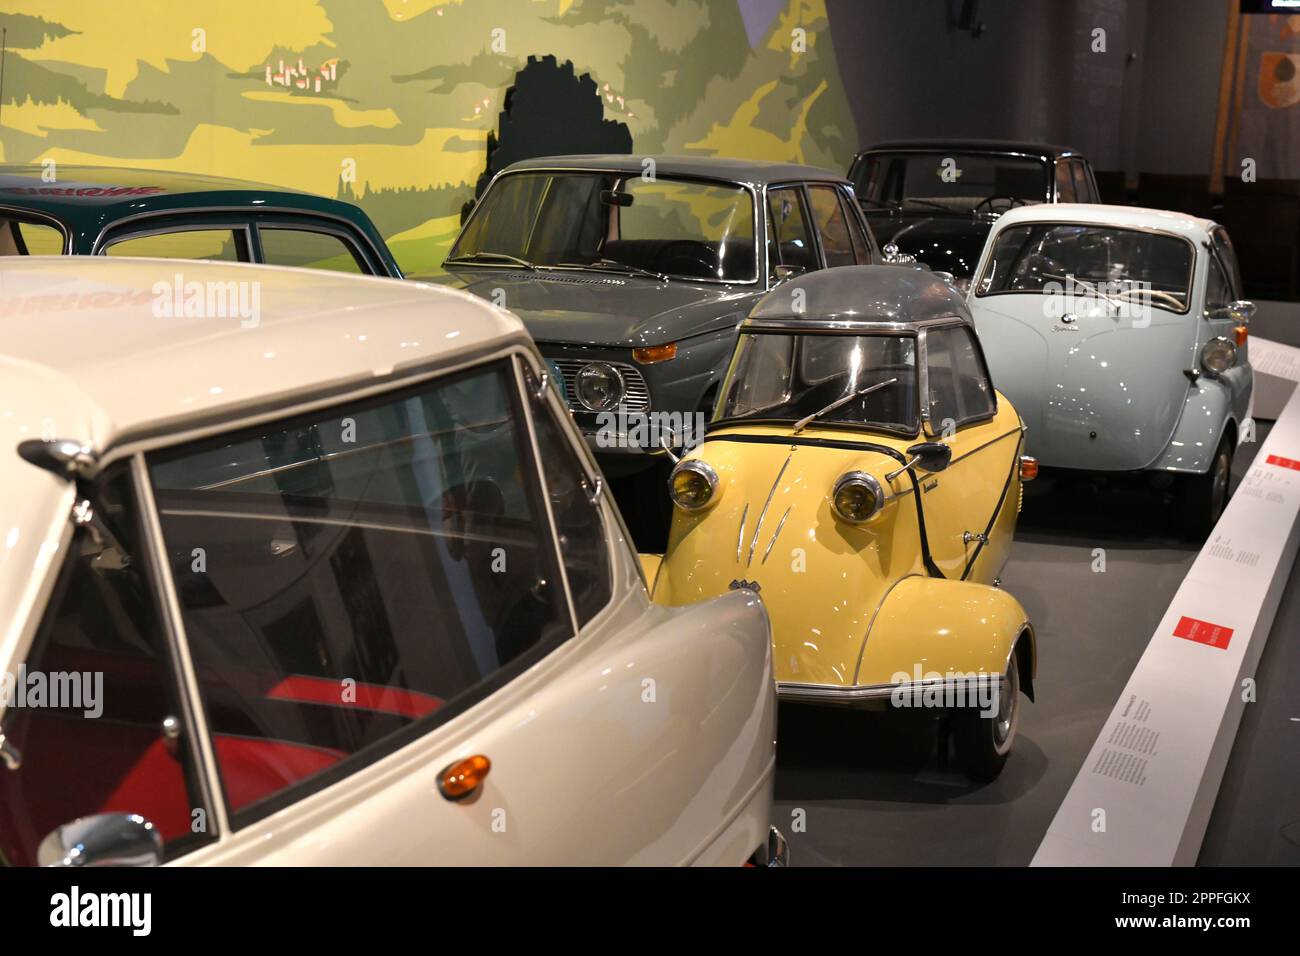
<point>655,353</point>
<point>463,777</point>
<point>1240,332</point>
<point>1028,468</point>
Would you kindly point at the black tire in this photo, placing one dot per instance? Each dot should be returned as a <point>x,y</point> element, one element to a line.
<point>1205,496</point>
<point>984,743</point>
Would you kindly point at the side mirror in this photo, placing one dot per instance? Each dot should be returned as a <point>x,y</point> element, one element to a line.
<point>105,839</point>
<point>610,198</point>
<point>784,273</point>
<point>1239,311</point>
<point>931,455</point>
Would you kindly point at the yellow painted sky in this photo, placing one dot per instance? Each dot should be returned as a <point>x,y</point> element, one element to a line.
<point>115,37</point>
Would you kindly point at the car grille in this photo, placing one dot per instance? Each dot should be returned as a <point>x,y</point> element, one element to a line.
<point>637,398</point>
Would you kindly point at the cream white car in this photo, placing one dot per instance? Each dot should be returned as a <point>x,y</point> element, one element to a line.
<point>332,581</point>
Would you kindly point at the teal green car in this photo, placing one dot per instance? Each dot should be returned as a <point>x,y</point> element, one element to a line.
<point>83,210</point>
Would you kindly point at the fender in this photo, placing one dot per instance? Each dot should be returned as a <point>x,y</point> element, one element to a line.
<point>1209,410</point>
<point>946,626</point>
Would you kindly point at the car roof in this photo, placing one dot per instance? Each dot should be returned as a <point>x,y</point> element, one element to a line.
<point>974,146</point>
<point>889,296</point>
<point>77,191</point>
<point>83,356</point>
<point>1163,220</point>
<point>750,171</point>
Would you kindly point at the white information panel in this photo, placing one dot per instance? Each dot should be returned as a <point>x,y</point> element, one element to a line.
<point>1144,795</point>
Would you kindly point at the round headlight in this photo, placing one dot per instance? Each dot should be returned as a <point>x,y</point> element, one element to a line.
<point>857,497</point>
<point>1218,355</point>
<point>692,484</point>
<point>599,386</point>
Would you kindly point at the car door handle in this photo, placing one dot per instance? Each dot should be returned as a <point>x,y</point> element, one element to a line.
<point>968,536</point>
<point>463,778</point>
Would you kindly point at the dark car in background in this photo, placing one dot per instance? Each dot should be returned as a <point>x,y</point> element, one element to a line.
<point>82,210</point>
<point>632,273</point>
<point>935,200</point>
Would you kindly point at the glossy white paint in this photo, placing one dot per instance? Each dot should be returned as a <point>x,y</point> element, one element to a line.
<point>587,768</point>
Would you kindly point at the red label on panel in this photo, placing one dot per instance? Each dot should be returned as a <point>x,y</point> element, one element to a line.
<point>1203,632</point>
<point>1283,462</point>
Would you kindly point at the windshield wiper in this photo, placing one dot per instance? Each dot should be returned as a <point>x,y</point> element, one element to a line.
<point>479,258</point>
<point>613,265</point>
<point>1090,287</point>
<point>803,423</point>
<point>882,203</point>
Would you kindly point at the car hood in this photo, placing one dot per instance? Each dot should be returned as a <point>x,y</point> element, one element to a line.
<point>944,241</point>
<point>597,308</point>
<point>1097,392</point>
<point>772,530</point>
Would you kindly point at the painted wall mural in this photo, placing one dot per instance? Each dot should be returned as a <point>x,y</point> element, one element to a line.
<point>391,102</point>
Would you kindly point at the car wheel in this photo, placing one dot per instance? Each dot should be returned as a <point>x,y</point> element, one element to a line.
<point>1205,496</point>
<point>983,743</point>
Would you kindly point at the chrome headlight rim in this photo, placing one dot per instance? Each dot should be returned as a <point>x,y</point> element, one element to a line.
<point>865,480</point>
<point>613,371</point>
<point>705,471</point>
<point>1231,350</point>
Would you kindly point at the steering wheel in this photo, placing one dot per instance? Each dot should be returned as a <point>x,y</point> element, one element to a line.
<point>684,257</point>
<point>1167,297</point>
<point>1011,201</point>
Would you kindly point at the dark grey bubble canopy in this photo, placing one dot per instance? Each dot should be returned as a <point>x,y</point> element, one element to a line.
<point>852,296</point>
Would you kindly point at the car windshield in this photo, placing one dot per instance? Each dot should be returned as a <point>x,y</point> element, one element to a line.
<point>613,222</point>
<point>957,182</point>
<point>1104,262</point>
<point>783,376</point>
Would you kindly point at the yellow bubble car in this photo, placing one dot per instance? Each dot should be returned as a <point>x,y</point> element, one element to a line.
<point>861,474</point>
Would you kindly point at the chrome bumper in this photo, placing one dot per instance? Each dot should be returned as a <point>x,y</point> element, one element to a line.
<point>850,696</point>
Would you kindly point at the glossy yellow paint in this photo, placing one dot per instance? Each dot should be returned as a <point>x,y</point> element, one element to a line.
<point>854,605</point>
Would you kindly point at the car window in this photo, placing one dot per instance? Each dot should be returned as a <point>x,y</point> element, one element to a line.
<point>1064,183</point>
<point>223,245</point>
<point>837,246</point>
<point>861,244</point>
<point>94,742</point>
<point>789,238</point>
<point>350,578</point>
<point>309,249</point>
<point>18,238</point>
<point>1218,292</point>
<point>958,384</point>
<point>1228,257</point>
<point>1083,191</point>
<point>577,519</point>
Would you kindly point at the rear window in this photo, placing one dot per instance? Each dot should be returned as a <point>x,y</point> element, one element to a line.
<point>1121,266</point>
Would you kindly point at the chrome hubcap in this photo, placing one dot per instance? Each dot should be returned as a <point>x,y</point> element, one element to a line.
<point>1004,724</point>
<point>1222,469</point>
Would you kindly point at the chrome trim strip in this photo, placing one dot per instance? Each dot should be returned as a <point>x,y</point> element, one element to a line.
<point>763,514</point>
<point>836,694</point>
<point>522,394</point>
<point>173,624</point>
<point>740,538</point>
<point>776,534</point>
